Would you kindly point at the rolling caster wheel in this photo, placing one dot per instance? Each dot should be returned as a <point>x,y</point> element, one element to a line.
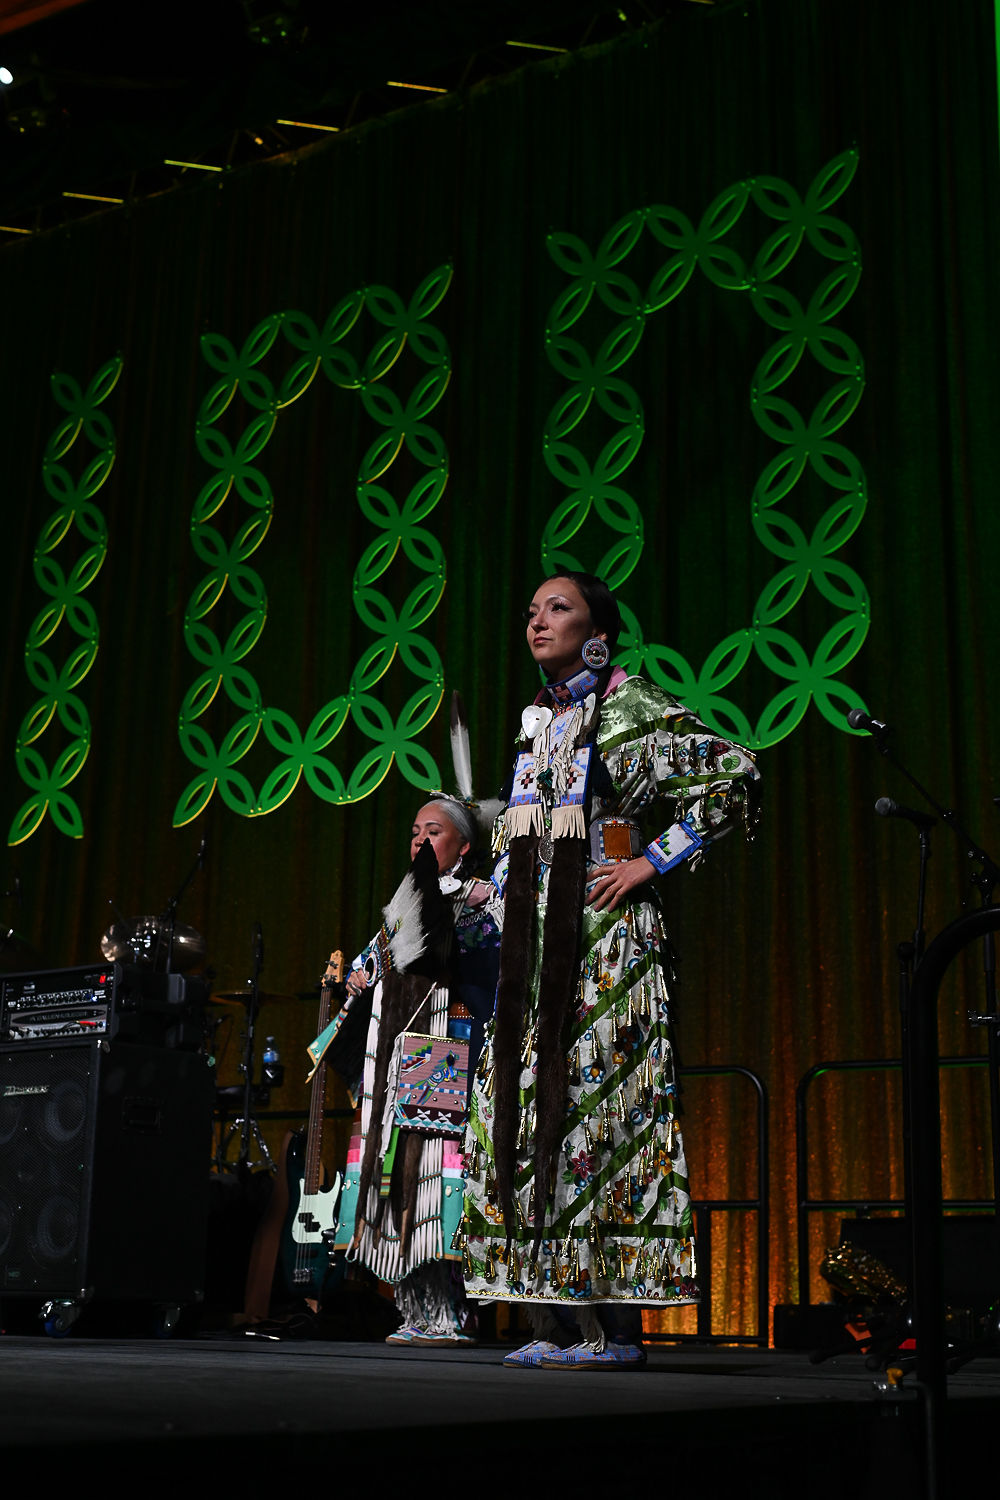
<point>58,1318</point>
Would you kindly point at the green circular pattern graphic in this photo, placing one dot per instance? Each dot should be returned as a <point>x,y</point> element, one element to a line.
<point>64,582</point>
<point>804,440</point>
<point>402,426</point>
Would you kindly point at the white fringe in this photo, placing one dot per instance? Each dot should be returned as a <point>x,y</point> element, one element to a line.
<point>528,818</point>
<point>426,1240</point>
<point>568,823</point>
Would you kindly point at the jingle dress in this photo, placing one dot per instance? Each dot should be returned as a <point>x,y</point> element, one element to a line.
<point>618,1227</point>
<point>428,1298</point>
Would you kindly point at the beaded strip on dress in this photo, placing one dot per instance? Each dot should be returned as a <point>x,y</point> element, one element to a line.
<point>550,780</point>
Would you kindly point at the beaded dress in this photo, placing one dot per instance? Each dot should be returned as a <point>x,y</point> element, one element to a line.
<point>616,1225</point>
<point>428,1296</point>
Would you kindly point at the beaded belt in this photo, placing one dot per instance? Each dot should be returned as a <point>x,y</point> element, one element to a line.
<point>613,840</point>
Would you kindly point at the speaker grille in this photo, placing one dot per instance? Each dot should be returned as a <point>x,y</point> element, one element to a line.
<point>104,1157</point>
<point>46,1155</point>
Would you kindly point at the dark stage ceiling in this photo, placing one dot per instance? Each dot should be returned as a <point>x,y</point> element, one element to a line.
<point>108,95</point>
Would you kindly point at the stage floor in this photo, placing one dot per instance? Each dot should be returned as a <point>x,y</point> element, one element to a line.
<point>146,1415</point>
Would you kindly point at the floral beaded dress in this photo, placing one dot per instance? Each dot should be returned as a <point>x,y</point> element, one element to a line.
<point>616,1225</point>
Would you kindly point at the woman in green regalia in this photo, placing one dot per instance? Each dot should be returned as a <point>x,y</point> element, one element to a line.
<point>577,1205</point>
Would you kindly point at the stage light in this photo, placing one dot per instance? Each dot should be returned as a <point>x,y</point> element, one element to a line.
<point>6,76</point>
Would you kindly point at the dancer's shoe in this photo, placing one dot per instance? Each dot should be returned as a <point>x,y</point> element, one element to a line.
<point>584,1357</point>
<point>531,1354</point>
<point>423,1338</point>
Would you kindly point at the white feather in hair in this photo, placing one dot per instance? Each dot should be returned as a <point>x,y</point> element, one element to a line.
<point>460,752</point>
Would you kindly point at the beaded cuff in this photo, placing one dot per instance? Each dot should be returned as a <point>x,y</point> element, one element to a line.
<point>676,843</point>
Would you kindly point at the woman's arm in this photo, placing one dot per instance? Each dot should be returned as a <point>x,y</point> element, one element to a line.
<point>705,778</point>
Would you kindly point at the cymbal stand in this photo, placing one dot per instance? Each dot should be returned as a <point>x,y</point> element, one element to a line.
<point>245,1125</point>
<point>169,917</point>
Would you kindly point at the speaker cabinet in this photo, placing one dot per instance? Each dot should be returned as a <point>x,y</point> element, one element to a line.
<point>105,1152</point>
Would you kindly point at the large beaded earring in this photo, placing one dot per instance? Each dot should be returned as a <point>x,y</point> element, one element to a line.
<point>595,653</point>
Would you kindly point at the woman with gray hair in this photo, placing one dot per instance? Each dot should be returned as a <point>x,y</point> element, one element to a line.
<point>430,972</point>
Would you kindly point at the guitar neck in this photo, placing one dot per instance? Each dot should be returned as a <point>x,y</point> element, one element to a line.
<point>313,1167</point>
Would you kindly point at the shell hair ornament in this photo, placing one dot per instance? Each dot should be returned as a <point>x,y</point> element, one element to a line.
<point>595,653</point>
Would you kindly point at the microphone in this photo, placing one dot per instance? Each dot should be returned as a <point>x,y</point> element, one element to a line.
<point>858,719</point>
<point>886,808</point>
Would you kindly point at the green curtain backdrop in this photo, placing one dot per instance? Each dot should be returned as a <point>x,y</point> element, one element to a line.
<point>286,453</point>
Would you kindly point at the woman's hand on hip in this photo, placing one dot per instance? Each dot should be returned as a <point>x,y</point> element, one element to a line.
<point>612,884</point>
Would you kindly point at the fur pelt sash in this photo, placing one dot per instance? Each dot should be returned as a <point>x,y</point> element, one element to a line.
<point>517,955</point>
<point>557,987</point>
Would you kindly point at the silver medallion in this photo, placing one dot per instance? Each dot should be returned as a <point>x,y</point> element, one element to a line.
<point>546,848</point>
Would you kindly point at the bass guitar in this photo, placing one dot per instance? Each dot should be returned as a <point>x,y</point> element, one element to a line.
<point>313,1204</point>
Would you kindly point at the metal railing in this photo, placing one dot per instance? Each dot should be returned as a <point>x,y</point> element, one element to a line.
<point>805,1205</point>
<point>706,1208</point>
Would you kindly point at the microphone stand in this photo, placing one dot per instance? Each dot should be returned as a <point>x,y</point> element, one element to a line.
<point>988,874</point>
<point>909,954</point>
<point>920,1061</point>
<point>984,875</point>
<point>253,1007</point>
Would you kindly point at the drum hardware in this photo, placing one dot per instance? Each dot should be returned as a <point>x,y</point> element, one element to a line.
<point>145,940</point>
<point>160,942</point>
<point>225,1002</point>
<point>245,1126</point>
<point>234,1093</point>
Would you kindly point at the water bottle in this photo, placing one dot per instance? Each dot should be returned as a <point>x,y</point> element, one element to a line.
<point>274,1068</point>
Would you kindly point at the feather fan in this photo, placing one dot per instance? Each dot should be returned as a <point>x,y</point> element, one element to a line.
<point>419,921</point>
